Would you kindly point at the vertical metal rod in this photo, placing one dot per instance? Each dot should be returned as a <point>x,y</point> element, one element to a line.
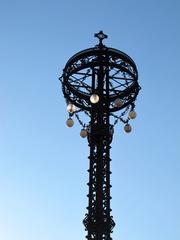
<point>98,221</point>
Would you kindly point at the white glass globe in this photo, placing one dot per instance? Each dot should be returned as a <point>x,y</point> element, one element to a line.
<point>83,133</point>
<point>127,128</point>
<point>118,102</point>
<point>132,114</point>
<point>71,108</point>
<point>69,122</point>
<point>94,98</point>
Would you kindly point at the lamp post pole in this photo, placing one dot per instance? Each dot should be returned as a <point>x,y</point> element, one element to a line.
<point>101,82</point>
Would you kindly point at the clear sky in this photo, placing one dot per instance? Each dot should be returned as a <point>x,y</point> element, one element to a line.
<point>43,163</point>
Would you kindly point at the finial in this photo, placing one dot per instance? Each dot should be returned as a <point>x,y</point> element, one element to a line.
<point>101,36</point>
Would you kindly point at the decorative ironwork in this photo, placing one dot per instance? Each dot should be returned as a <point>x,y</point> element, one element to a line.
<point>112,76</point>
<point>101,36</point>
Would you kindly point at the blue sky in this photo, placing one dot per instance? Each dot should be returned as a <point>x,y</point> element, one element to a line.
<point>43,164</point>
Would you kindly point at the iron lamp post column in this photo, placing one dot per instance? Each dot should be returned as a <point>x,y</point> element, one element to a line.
<point>100,82</point>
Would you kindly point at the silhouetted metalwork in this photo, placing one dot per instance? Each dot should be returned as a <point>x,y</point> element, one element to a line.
<point>100,81</point>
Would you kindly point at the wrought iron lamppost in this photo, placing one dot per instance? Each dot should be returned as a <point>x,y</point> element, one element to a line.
<point>101,82</point>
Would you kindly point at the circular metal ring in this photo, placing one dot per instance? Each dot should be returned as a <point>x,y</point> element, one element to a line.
<point>80,77</point>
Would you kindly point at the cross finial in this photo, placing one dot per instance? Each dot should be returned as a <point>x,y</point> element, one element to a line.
<point>101,36</point>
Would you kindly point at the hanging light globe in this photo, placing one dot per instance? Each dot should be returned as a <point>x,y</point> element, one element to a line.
<point>118,102</point>
<point>69,122</point>
<point>71,108</point>
<point>94,98</point>
<point>83,133</point>
<point>132,114</point>
<point>127,128</point>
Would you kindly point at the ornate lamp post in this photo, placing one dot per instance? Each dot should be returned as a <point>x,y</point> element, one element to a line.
<point>101,82</point>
